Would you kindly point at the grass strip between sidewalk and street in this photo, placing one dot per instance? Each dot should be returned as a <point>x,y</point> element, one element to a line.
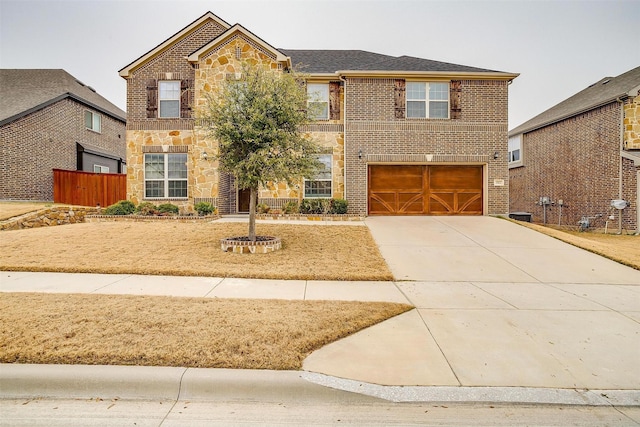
<point>174,331</point>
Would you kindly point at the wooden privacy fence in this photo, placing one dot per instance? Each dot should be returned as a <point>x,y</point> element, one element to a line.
<point>87,188</point>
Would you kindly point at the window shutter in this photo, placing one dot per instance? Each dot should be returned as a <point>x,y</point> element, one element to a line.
<point>334,100</point>
<point>455,91</point>
<point>400,98</point>
<point>185,98</point>
<point>152,99</point>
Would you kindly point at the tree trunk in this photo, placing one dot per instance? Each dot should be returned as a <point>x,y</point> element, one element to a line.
<point>253,191</point>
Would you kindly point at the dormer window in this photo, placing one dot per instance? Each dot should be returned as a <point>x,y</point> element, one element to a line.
<point>169,91</point>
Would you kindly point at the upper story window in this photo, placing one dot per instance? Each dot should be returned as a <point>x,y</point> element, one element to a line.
<point>427,100</point>
<point>515,151</point>
<point>320,185</point>
<point>318,101</point>
<point>169,94</point>
<point>92,121</point>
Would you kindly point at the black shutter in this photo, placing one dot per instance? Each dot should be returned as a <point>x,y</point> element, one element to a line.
<point>152,99</point>
<point>455,91</point>
<point>400,98</point>
<point>186,95</point>
<point>334,100</point>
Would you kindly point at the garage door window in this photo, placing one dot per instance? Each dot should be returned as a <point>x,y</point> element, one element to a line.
<point>320,185</point>
<point>427,100</point>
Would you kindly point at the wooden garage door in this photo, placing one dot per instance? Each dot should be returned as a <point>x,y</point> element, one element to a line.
<point>425,190</point>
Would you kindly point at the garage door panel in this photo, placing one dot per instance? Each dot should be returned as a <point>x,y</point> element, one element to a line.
<point>455,177</point>
<point>382,203</point>
<point>422,189</point>
<point>396,178</point>
<point>410,203</point>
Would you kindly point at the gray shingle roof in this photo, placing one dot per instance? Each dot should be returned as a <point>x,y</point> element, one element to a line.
<point>330,61</point>
<point>410,63</point>
<point>600,93</point>
<point>23,91</point>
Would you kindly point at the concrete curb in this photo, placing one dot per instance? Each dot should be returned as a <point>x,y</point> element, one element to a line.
<point>168,383</point>
<point>19,381</point>
<point>513,395</point>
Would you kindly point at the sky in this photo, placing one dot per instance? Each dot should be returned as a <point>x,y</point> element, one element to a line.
<point>558,47</point>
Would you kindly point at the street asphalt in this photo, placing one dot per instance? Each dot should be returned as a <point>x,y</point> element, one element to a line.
<point>503,315</point>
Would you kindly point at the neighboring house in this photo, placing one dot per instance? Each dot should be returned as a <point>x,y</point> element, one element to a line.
<point>50,120</point>
<point>582,154</point>
<point>399,135</point>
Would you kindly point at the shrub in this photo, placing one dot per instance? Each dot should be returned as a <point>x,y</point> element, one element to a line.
<point>123,207</point>
<point>263,208</point>
<point>339,206</point>
<point>168,208</point>
<point>315,206</point>
<point>147,208</point>
<point>291,207</point>
<point>204,208</point>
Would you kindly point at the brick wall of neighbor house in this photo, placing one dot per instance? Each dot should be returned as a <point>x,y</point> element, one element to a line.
<point>576,160</point>
<point>37,143</point>
<point>473,137</point>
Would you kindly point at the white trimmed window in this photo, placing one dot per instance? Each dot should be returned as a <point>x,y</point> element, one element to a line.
<point>320,185</point>
<point>427,100</point>
<point>515,150</point>
<point>169,98</point>
<point>100,169</point>
<point>318,101</point>
<point>165,175</point>
<point>92,121</point>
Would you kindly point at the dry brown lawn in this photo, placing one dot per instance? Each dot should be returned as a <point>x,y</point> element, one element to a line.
<point>170,331</point>
<point>170,248</point>
<point>624,249</point>
<point>11,209</point>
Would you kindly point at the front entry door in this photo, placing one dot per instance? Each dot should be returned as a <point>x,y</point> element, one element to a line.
<point>244,198</point>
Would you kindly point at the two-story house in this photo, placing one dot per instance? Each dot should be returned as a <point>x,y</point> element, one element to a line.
<point>51,120</point>
<point>568,163</point>
<point>399,135</point>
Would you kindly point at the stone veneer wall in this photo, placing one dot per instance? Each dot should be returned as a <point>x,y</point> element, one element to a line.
<point>58,215</point>
<point>203,177</point>
<point>632,124</point>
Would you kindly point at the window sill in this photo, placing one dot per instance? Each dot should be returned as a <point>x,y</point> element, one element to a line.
<point>94,131</point>
<point>515,165</point>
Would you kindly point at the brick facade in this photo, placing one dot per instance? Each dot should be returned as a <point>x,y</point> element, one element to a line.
<point>371,126</point>
<point>35,144</point>
<point>363,118</point>
<point>578,161</point>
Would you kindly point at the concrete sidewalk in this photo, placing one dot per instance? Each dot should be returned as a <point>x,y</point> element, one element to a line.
<point>503,314</point>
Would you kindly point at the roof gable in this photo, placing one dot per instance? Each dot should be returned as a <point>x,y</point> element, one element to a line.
<point>603,92</point>
<point>23,91</point>
<point>207,17</point>
<point>238,29</point>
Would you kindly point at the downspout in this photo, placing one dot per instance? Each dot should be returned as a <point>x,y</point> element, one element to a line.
<point>344,136</point>
<point>621,103</point>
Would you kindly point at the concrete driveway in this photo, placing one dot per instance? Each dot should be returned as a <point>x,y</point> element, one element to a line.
<point>498,305</point>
